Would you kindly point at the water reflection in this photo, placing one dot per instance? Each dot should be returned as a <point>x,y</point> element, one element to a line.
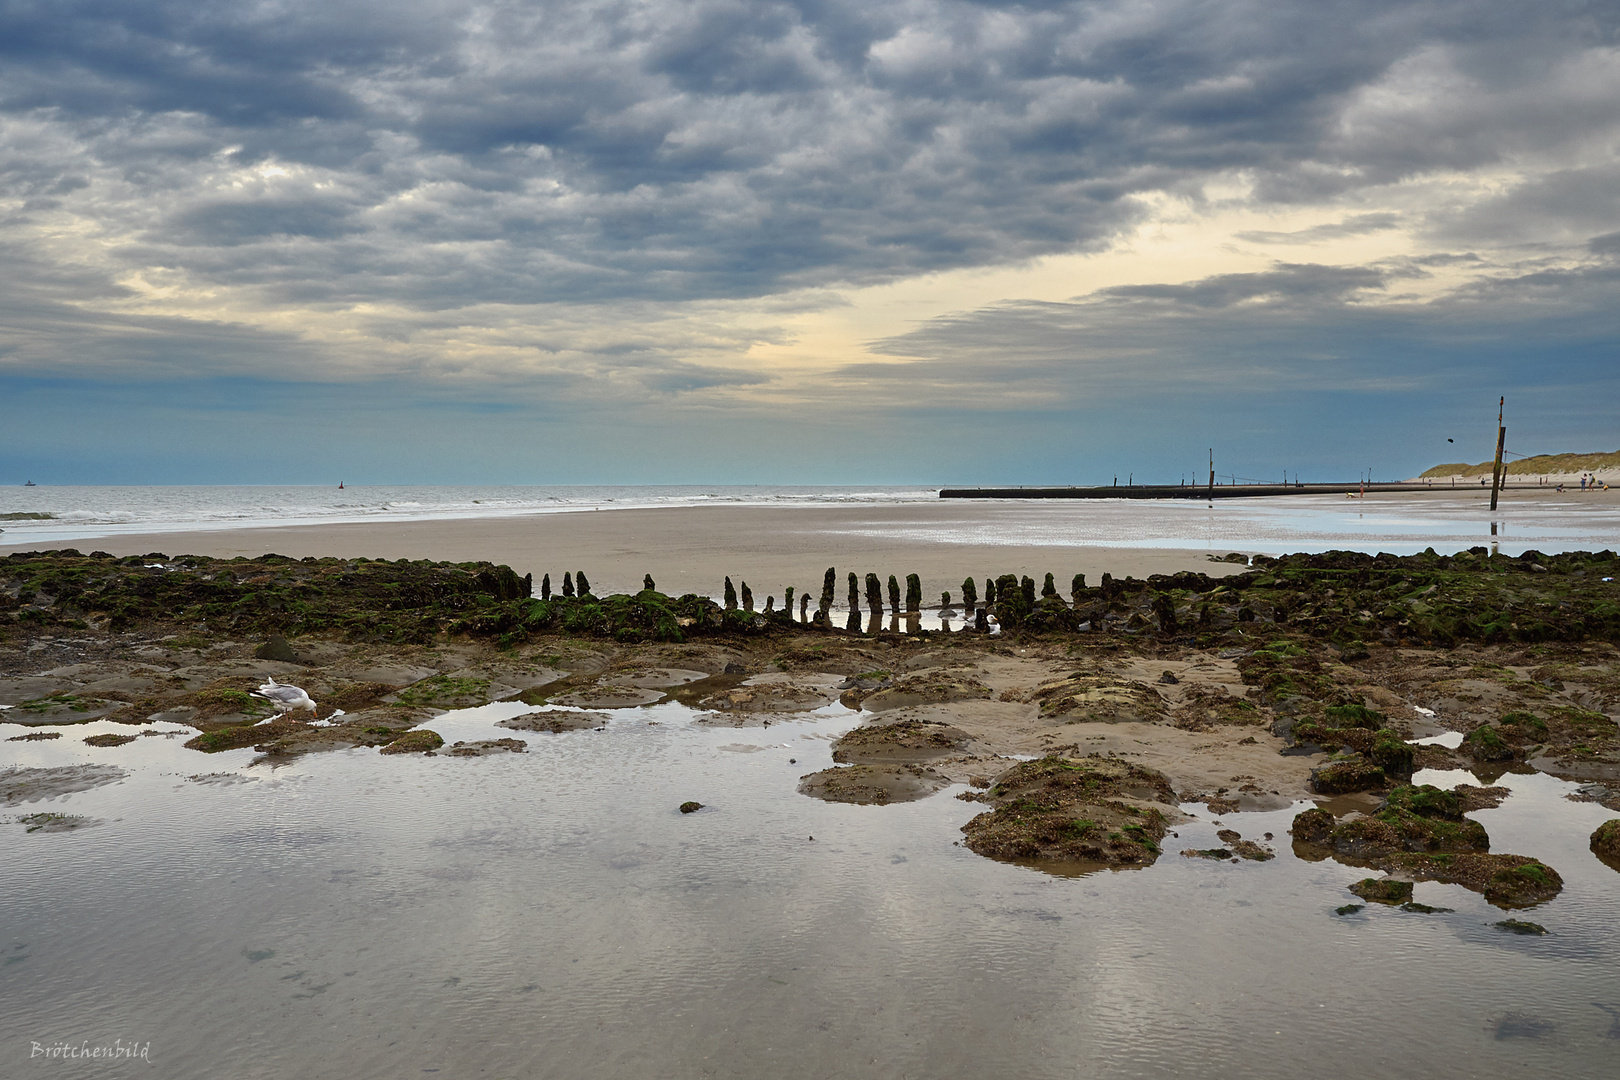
<point>553,913</point>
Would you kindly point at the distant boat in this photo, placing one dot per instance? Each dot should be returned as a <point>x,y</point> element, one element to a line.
<point>29,484</point>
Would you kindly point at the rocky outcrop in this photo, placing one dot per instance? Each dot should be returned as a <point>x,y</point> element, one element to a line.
<point>1420,833</point>
<point>1090,809</point>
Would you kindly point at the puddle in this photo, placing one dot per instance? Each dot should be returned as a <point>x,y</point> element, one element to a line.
<point>1448,739</point>
<point>554,912</point>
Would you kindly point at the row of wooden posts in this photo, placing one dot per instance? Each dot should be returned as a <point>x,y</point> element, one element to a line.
<point>576,584</point>
<point>874,595</point>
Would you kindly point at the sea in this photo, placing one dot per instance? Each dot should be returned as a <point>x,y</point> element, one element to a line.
<point>52,517</point>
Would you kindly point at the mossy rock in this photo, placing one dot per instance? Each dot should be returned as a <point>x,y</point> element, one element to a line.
<point>1525,725</point>
<point>445,692</point>
<point>1519,926</point>
<point>1393,754</point>
<point>1354,716</point>
<point>1346,775</point>
<point>109,740</point>
<point>229,738</point>
<point>419,741</point>
<point>1486,744</point>
<point>1605,842</point>
<point>1383,890</point>
<point>1523,885</point>
<point>1314,826</point>
<point>1073,809</point>
<point>223,700</point>
<point>1422,819</point>
<point>1426,800</point>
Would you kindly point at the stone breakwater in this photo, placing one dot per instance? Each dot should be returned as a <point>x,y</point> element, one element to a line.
<point>1305,677</point>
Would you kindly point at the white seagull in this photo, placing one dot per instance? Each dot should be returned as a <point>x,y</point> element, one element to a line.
<point>285,698</point>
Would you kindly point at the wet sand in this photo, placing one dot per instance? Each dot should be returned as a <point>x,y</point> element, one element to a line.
<point>689,549</point>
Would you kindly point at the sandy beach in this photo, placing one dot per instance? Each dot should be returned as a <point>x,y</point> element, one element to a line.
<point>689,549</point>
<point>692,549</point>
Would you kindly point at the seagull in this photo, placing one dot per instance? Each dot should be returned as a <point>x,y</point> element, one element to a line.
<point>285,698</point>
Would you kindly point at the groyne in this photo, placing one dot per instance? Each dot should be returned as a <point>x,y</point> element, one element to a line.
<point>1184,491</point>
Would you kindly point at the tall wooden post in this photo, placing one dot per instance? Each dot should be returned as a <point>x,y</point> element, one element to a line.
<point>1212,472</point>
<point>1501,438</point>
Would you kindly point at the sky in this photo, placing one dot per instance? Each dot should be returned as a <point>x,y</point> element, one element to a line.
<point>734,242</point>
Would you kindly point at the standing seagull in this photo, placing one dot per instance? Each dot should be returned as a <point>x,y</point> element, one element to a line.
<point>285,698</point>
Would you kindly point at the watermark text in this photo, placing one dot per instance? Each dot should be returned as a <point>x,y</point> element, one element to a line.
<point>116,1050</point>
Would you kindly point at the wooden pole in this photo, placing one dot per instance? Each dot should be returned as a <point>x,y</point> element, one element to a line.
<point>1212,472</point>
<point>1501,438</point>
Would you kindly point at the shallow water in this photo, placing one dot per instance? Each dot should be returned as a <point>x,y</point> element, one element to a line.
<point>552,914</point>
<point>87,513</point>
<point>1398,524</point>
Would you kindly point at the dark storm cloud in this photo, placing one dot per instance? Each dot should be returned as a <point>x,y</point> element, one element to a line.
<point>724,148</point>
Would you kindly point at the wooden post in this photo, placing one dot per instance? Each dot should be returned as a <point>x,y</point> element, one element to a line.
<point>1501,438</point>
<point>1212,472</point>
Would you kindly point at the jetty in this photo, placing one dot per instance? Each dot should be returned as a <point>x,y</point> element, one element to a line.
<point>1185,491</point>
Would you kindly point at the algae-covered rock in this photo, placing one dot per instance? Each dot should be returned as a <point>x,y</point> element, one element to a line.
<point>237,737</point>
<point>109,740</point>
<point>1425,818</point>
<point>1519,926</point>
<point>1219,854</point>
<point>486,747</point>
<point>1382,747</point>
<point>1523,885</point>
<point>690,806</point>
<point>1314,826</point>
<point>1091,809</point>
<point>1605,841</point>
<point>446,692</point>
<point>420,741</point>
<point>1383,890</point>
<point>55,823</point>
<point>1487,744</point>
<point>1416,908</point>
<point>1354,716</point>
<point>1347,774</point>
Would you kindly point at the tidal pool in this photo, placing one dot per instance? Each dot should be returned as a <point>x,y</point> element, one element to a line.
<point>553,914</point>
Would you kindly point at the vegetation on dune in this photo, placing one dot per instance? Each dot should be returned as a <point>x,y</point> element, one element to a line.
<point>1540,465</point>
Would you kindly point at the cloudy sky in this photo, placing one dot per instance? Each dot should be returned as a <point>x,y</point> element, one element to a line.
<point>724,241</point>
